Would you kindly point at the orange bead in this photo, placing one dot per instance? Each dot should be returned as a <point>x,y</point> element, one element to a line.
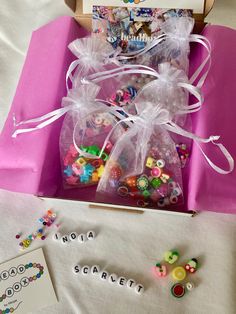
<point>131,182</point>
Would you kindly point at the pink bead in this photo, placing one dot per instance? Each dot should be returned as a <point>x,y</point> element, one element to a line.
<point>163,190</point>
<point>71,180</point>
<point>156,172</point>
<point>77,171</point>
<point>159,271</point>
<point>73,151</point>
<point>108,147</point>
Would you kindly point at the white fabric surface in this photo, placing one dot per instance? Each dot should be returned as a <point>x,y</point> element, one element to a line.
<point>128,244</point>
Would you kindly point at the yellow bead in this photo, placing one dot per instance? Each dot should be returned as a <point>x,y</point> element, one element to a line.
<point>178,273</point>
<point>150,162</point>
<point>100,171</point>
<point>81,161</point>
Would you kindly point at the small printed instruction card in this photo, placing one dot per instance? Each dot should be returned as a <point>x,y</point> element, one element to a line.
<point>25,284</point>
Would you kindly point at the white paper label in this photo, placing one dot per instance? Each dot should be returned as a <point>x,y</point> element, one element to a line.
<point>196,5</point>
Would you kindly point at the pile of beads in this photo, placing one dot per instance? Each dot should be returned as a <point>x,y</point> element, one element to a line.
<point>111,278</point>
<point>178,273</point>
<point>74,237</point>
<point>183,153</point>
<point>81,170</point>
<point>123,98</point>
<point>155,186</point>
<point>47,220</point>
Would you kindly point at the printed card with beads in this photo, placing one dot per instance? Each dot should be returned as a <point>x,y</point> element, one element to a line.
<point>25,284</point>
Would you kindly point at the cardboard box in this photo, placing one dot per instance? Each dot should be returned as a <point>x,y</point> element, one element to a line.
<point>30,163</point>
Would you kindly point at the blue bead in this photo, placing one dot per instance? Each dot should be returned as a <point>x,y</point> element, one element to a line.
<point>38,275</point>
<point>88,170</point>
<point>68,171</point>
<point>30,265</point>
<point>40,230</point>
<point>84,178</point>
<point>41,220</point>
<point>7,310</point>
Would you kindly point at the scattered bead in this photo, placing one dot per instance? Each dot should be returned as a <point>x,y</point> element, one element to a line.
<point>189,286</point>
<point>178,290</point>
<point>139,289</point>
<point>159,270</point>
<point>192,265</point>
<point>56,236</point>
<point>171,257</point>
<point>90,235</point>
<point>178,273</point>
<point>18,235</point>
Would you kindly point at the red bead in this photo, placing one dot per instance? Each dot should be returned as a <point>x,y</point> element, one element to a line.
<point>43,238</point>
<point>115,173</point>
<point>18,236</point>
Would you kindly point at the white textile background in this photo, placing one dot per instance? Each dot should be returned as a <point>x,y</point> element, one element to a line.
<point>127,244</point>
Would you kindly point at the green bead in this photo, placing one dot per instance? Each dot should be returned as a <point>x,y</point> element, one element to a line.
<point>146,194</point>
<point>156,183</point>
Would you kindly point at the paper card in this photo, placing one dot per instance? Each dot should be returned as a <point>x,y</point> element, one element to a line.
<point>131,28</point>
<point>196,5</point>
<point>25,284</point>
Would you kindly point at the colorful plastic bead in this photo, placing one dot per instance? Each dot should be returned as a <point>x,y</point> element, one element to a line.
<point>68,171</point>
<point>18,235</point>
<point>71,181</point>
<point>189,286</point>
<point>159,270</point>
<point>77,171</point>
<point>178,273</point>
<point>100,171</point>
<point>108,148</point>
<point>156,172</point>
<point>95,177</point>
<point>115,173</point>
<point>156,183</point>
<point>84,178</point>
<point>142,183</point>
<point>171,257</point>
<point>88,170</point>
<point>178,290</point>
<point>160,163</point>
<point>146,194</point>
<point>192,265</point>
<point>131,182</point>
<point>173,199</point>
<point>150,163</point>
<point>81,161</point>
<point>164,177</point>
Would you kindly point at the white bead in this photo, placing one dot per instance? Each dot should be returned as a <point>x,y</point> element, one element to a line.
<point>82,238</point>
<point>76,269</point>
<point>65,239</point>
<point>95,269</point>
<point>73,236</point>
<point>113,278</point>
<point>104,275</point>
<point>131,283</point>
<point>85,270</point>
<point>189,286</point>
<point>139,289</point>
<point>122,281</point>
<point>56,236</point>
<point>91,235</point>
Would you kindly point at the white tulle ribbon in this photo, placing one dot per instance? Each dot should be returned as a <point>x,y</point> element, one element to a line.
<point>164,76</point>
<point>193,38</point>
<point>92,54</point>
<point>161,118</point>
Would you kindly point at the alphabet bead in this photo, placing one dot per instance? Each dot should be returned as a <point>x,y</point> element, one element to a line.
<point>104,275</point>
<point>131,283</point>
<point>122,281</point>
<point>95,269</point>
<point>77,269</point>
<point>85,270</point>
<point>73,236</point>
<point>82,238</point>
<point>139,289</point>
<point>112,278</point>
<point>65,239</point>
<point>90,235</point>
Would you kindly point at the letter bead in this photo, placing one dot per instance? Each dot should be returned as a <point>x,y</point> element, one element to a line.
<point>82,238</point>
<point>85,270</point>
<point>139,289</point>
<point>73,236</point>
<point>112,278</point>
<point>95,269</point>
<point>131,283</point>
<point>104,275</point>
<point>122,281</point>
<point>65,239</point>
<point>77,269</point>
<point>91,235</point>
